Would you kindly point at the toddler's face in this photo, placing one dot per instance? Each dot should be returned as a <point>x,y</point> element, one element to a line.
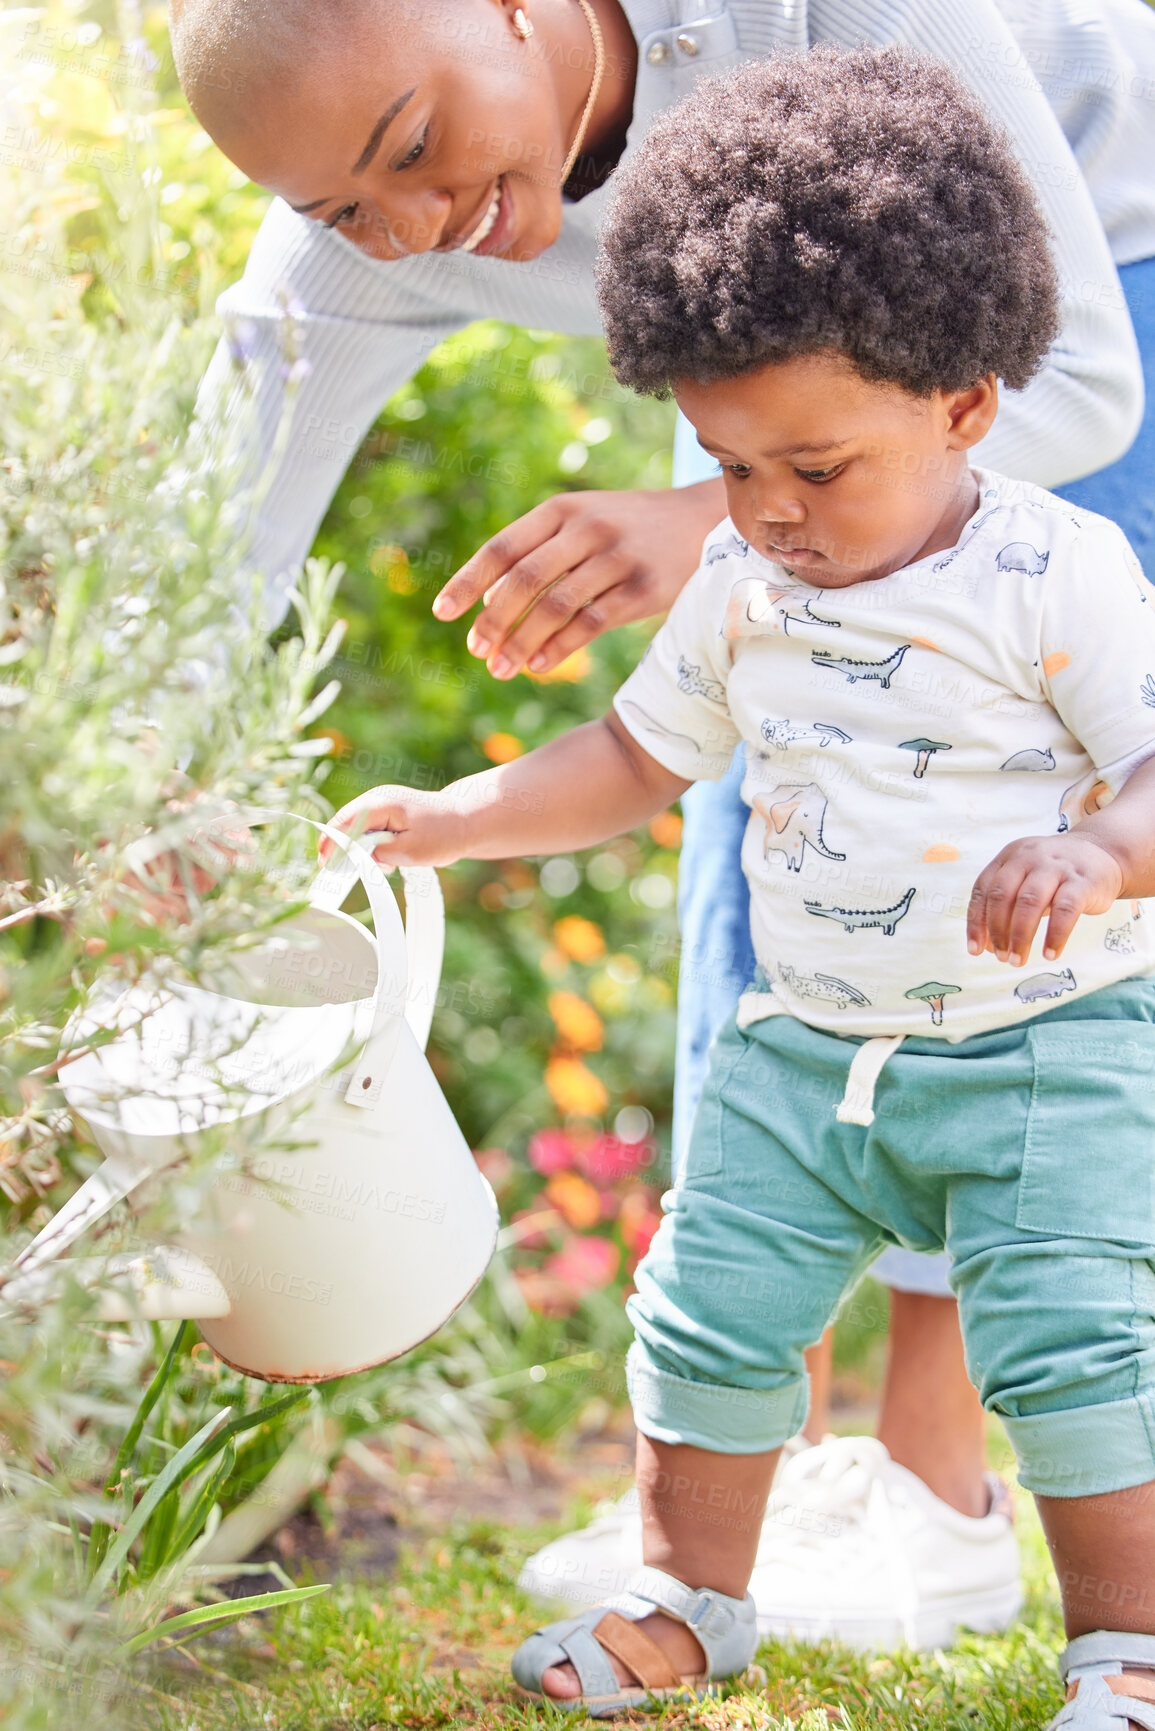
<point>835,477</point>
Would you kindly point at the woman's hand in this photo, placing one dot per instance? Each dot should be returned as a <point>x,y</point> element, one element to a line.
<point>426,829</point>
<point>1060,875</point>
<point>577,566</point>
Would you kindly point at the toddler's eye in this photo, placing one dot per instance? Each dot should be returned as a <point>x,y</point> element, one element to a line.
<point>820,475</point>
<point>739,470</point>
<point>345,214</point>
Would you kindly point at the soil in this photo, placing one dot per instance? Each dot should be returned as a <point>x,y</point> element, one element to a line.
<point>375,1502</point>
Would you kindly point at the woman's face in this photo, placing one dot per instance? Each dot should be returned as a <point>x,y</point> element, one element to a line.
<point>435,130</point>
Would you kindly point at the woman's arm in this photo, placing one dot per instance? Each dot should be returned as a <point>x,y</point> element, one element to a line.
<point>1083,408</point>
<point>356,331</point>
<point>581,788</point>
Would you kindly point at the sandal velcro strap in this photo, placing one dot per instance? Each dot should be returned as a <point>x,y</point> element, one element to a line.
<point>1106,1650</point>
<point>1100,1693</point>
<point>1129,1683</point>
<point>725,1628</point>
<point>637,1651</point>
<point>706,1612</point>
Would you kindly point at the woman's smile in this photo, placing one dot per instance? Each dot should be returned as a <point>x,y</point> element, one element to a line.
<point>497,226</point>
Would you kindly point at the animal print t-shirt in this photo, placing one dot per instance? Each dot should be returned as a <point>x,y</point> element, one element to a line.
<point>898,734</point>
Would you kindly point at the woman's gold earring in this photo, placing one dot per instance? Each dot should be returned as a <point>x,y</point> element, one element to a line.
<point>522,25</point>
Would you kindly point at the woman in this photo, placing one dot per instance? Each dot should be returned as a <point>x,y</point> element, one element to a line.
<point>439,163</point>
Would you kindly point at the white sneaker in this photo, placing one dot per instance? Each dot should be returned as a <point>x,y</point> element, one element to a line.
<point>854,1548</point>
<point>582,1568</point>
<point>857,1549</point>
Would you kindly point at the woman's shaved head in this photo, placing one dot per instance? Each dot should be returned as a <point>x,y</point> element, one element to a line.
<point>228,51</point>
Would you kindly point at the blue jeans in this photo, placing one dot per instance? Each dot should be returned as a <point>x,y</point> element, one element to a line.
<point>713,901</point>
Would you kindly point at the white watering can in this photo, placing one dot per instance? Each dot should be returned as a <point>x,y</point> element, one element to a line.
<point>360,1238</point>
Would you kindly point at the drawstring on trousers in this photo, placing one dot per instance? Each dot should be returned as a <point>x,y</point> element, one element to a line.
<point>857,1103</point>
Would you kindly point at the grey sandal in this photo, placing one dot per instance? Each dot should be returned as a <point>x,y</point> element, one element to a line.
<point>1101,1696</point>
<point>724,1627</point>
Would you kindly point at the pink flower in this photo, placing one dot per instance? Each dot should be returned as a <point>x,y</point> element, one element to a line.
<point>608,1158</point>
<point>587,1264</point>
<point>549,1297</point>
<point>550,1151</point>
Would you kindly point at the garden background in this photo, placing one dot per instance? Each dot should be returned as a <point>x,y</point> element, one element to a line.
<point>553,1036</point>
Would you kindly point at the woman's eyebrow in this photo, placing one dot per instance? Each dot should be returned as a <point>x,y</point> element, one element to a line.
<point>369,151</point>
<point>379,131</point>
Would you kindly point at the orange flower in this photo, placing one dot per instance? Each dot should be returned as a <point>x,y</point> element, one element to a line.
<point>666,829</point>
<point>579,939</point>
<point>341,741</point>
<point>575,1199</point>
<point>575,1090</point>
<point>578,1023</point>
<point>392,563</point>
<point>640,1218</point>
<point>502,747</point>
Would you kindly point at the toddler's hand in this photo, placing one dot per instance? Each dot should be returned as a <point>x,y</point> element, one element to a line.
<point>427,828</point>
<point>1065,875</point>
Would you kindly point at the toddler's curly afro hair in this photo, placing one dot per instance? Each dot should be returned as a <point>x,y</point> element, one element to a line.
<point>860,202</point>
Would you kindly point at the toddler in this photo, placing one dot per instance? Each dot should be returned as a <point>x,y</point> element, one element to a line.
<point>945,684</point>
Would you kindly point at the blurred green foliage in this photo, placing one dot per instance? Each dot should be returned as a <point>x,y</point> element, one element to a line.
<point>487,430</point>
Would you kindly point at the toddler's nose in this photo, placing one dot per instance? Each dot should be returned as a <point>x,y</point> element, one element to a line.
<point>775,505</point>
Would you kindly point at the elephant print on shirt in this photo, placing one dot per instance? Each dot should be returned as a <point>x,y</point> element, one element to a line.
<point>793,817</point>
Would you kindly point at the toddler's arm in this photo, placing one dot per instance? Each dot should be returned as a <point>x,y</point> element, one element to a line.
<point>1107,857</point>
<point>581,788</point>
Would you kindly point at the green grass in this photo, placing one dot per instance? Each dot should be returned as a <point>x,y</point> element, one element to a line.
<point>430,1648</point>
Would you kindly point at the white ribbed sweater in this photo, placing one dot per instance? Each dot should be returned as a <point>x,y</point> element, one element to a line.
<point>1072,81</point>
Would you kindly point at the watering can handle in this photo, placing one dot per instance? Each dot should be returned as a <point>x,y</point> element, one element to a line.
<point>408,963</point>
<point>329,889</point>
<point>424,918</point>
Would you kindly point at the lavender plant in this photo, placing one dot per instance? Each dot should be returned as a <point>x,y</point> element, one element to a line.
<point>138,695</point>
